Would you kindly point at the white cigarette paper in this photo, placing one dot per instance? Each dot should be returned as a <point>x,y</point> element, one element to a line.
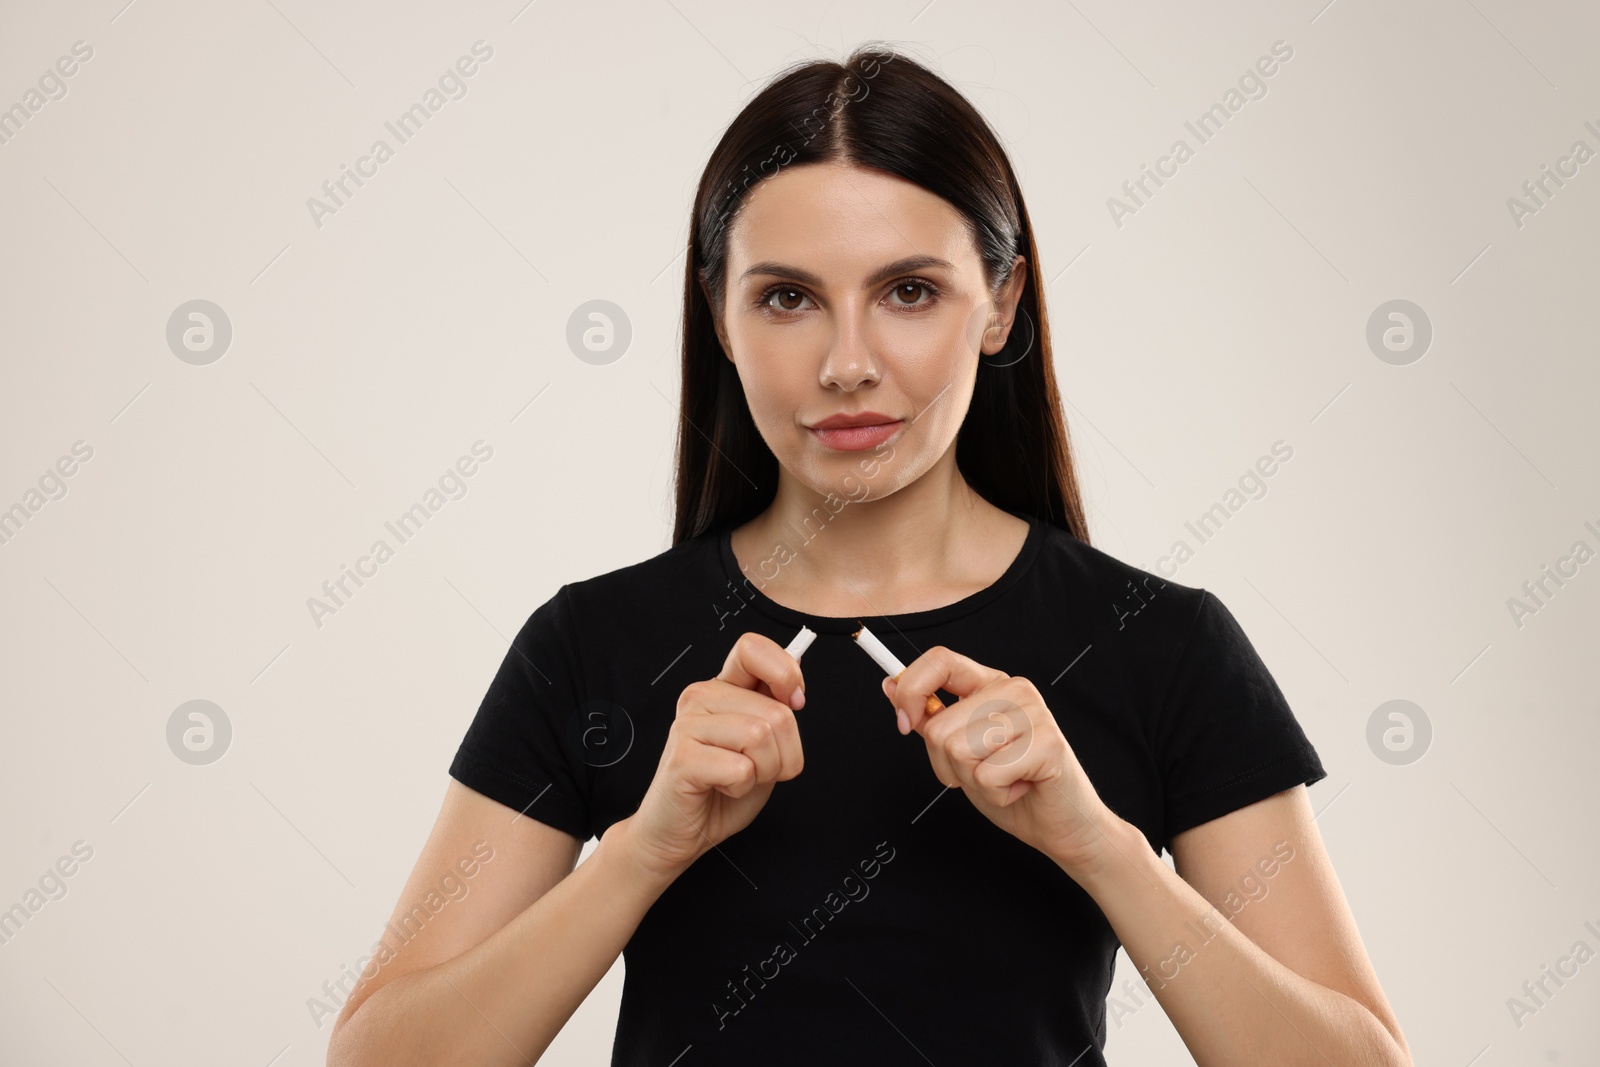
<point>891,666</point>
<point>879,652</point>
<point>801,642</point>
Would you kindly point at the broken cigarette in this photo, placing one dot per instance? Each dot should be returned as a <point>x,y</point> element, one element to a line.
<point>801,642</point>
<point>891,666</point>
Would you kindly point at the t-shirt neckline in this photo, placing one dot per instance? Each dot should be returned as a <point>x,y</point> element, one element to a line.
<point>747,590</point>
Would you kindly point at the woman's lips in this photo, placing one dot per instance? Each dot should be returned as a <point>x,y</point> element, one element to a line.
<point>856,438</point>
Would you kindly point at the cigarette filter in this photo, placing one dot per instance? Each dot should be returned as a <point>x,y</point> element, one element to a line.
<point>891,665</point>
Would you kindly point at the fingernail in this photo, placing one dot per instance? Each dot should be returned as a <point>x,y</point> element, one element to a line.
<point>905,723</point>
<point>797,699</point>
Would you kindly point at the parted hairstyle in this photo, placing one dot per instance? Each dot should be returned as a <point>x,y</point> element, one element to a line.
<point>883,110</point>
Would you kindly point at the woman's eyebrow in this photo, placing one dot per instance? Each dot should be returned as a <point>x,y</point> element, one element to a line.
<point>805,277</point>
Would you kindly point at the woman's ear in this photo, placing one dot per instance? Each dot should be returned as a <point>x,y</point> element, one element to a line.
<point>1005,308</point>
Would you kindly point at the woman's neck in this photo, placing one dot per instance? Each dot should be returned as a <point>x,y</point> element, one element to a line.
<point>926,545</point>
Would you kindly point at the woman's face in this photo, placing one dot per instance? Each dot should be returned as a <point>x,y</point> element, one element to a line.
<point>852,291</point>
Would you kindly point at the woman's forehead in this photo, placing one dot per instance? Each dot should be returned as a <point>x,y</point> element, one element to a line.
<point>843,222</point>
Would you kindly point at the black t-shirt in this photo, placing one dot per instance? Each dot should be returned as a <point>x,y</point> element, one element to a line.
<point>867,915</point>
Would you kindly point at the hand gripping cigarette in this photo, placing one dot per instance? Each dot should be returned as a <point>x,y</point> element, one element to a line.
<point>891,666</point>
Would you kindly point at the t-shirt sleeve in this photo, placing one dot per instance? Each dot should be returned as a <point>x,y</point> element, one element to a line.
<point>1226,736</point>
<point>519,747</point>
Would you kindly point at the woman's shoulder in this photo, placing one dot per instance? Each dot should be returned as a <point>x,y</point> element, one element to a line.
<point>692,563</point>
<point>648,590</point>
<point>1124,592</point>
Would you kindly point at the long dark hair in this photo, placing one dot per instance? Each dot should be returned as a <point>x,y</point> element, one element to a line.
<point>876,109</point>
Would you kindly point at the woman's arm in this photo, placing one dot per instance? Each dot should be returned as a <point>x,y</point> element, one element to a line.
<point>1276,973</point>
<point>494,976</point>
<point>1251,966</point>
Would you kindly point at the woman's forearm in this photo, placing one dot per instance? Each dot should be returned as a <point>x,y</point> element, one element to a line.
<point>503,1001</point>
<point>1230,1001</point>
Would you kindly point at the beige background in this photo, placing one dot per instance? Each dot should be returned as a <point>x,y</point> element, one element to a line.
<point>429,312</point>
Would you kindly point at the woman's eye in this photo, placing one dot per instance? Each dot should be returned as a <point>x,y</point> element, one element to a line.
<point>790,300</point>
<point>783,296</point>
<point>901,290</point>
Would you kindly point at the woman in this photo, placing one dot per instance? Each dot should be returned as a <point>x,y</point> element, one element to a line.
<point>871,433</point>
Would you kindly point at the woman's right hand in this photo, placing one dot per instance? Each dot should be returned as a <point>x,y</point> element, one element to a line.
<point>730,742</point>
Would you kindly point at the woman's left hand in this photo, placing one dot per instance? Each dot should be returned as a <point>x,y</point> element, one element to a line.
<point>1002,745</point>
